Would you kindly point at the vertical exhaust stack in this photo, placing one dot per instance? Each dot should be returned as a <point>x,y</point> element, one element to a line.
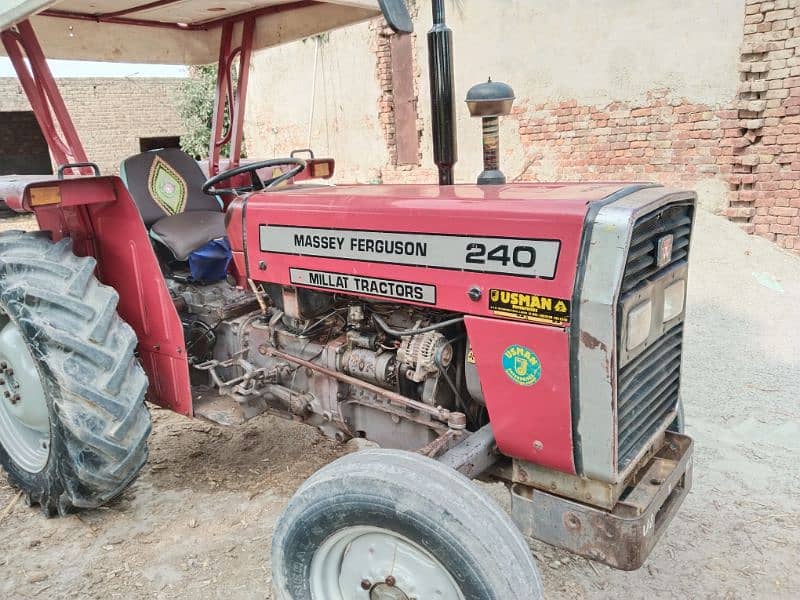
<point>443,110</point>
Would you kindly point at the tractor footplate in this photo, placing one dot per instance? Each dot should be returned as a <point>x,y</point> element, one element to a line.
<point>624,536</point>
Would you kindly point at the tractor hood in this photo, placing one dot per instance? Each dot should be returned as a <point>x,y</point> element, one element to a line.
<point>172,31</point>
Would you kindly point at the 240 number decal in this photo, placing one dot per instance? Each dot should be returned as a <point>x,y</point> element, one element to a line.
<point>523,257</point>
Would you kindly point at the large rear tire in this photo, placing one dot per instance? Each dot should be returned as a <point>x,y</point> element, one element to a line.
<point>393,525</point>
<point>73,423</point>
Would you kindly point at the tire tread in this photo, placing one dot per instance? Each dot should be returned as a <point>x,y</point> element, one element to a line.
<point>70,321</point>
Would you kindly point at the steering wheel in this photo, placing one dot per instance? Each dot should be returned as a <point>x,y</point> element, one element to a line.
<point>256,182</point>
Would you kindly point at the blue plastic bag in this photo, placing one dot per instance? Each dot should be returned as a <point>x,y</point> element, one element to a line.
<point>210,262</point>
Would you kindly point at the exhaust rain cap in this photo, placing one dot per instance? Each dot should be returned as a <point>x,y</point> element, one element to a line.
<point>490,101</point>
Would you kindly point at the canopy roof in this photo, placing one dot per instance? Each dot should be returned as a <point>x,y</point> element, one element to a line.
<point>171,31</point>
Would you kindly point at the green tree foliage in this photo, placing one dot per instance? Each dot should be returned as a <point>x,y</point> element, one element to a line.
<point>196,106</point>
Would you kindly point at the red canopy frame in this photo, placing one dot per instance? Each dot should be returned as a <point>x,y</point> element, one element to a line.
<point>120,18</point>
<point>228,98</point>
<point>52,115</point>
<point>43,94</point>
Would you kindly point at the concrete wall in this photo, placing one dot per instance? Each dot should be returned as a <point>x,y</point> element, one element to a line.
<point>701,94</point>
<point>345,119</point>
<point>110,114</point>
<point>592,52</point>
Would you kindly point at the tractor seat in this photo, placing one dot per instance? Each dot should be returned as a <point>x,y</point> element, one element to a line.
<point>166,186</point>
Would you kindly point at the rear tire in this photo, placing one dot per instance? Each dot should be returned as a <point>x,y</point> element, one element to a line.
<point>93,386</point>
<point>381,514</point>
<point>5,212</point>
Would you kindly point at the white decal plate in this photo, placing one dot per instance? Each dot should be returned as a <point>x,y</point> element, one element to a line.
<point>504,256</point>
<point>369,286</point>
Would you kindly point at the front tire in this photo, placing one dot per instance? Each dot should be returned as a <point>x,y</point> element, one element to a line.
<point>73,423</point>
<point>390,524</point>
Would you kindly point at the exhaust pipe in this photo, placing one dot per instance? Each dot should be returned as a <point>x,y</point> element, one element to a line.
<point>443,108</point>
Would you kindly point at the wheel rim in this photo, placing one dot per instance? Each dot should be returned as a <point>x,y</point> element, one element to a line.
<point>370,563</point>
<point>24,416</point>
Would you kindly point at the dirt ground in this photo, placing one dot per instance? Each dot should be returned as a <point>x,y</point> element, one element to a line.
<point>198,522</point>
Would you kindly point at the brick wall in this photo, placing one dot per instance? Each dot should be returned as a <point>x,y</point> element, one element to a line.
<point>413,168</point>
<point>668,140</point>
<point>110,114</point>
<point>753,145</point>
<point>764,135</point>
<point>746,148</point>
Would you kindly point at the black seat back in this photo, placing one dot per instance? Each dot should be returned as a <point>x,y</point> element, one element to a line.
<point>165,182</point>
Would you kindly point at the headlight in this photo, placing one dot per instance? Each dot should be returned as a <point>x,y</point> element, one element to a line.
<point>639,324</point>
<point>673,299</point>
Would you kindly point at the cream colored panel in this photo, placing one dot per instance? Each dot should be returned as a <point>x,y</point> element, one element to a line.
<point>86,40</point>
<point>13,11</point>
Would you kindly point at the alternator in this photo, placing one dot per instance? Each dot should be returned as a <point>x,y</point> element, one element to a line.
<point>419,353</point>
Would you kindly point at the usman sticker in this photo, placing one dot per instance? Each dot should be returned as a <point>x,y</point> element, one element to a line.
<point>530,307</point>
<point>521,365</point>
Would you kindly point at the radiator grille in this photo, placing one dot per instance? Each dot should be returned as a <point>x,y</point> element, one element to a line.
<point>675,219</point>
<point>647,393</point>
<point>648,385</point>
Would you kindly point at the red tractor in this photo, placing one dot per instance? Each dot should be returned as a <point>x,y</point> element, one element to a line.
<point>529,333</point>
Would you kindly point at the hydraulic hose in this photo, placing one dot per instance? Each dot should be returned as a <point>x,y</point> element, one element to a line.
<point>407,332</point>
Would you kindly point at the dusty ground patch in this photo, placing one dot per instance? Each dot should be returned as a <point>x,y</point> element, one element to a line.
<point>198,523</point>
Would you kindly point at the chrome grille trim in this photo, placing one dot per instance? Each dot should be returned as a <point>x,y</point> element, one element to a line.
<point>649,384</point>
<point>614,237</point>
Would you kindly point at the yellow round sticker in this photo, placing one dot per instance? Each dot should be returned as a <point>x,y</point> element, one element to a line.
<point>522,365</point>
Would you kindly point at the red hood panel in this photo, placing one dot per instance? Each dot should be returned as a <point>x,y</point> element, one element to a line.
<point>546,217</point>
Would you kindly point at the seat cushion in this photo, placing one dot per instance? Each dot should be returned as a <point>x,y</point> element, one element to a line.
<point>186,232</point>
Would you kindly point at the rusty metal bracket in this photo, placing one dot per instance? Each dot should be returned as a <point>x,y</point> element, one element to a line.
<point>583,489</point>
<point>624,536</point>
<point>442,443</point>
<point>474,455</point>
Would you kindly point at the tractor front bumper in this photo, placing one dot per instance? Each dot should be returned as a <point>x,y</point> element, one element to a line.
<point>623,536</point>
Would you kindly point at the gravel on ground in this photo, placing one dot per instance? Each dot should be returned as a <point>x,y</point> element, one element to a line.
<point>198,522</point>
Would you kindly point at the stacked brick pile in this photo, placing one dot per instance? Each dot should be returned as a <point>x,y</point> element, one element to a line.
<point>395,171</point>
<point>765,134</point>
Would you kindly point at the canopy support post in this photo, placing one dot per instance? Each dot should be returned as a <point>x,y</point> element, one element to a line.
<point>227,99</point>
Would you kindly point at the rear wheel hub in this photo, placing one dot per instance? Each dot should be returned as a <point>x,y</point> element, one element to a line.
<point>24,416</point>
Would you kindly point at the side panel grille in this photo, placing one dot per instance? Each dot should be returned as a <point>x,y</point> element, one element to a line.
<point>675,219</point>
<point>648,392</point>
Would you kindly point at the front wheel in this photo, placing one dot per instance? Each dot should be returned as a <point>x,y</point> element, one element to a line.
<point>393,525</point>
